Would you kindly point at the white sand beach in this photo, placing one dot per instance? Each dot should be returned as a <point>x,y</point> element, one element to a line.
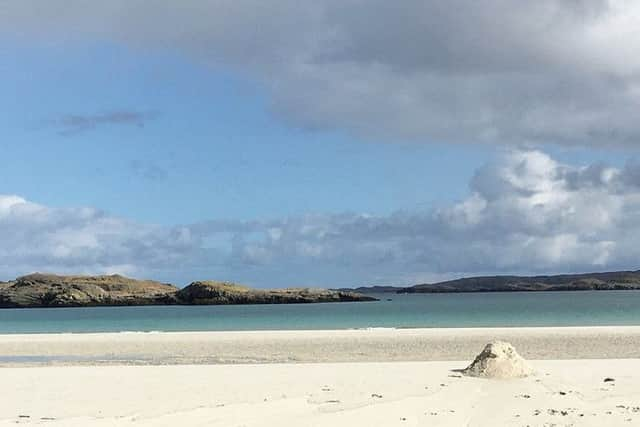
<point>363,345</point>
<point>341,388</point>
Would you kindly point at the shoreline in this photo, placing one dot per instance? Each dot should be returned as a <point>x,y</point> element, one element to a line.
<point>421,329</point>
<point>624,328</point>
<point>314,346</point>
<point>613,329</point>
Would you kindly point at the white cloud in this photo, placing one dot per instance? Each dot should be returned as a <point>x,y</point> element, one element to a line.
<point>501,71</point>
<point>41,238</point>
<point>526,213</point>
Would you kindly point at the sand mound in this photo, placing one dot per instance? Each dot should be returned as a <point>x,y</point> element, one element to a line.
<point>499,360</point>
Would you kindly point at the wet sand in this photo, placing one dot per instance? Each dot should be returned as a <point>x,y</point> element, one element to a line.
<point>372,345</point>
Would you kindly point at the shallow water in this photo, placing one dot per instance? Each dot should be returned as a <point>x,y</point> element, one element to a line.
<point>403,311</point>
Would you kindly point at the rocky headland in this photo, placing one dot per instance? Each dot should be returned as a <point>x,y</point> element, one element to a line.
<point>49,290</point>
<point>208,292</point>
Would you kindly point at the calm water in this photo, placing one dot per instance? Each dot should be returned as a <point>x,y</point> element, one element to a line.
<point>435,310</point>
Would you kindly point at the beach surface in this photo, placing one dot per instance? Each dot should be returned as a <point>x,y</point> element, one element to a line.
<point>583,376</point>
<point>362,345</point>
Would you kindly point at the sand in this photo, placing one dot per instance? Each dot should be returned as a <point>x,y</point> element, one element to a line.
<point>499,360</point>
<point>351,393</point>
<point>372,345</point>
<point>344,394</point>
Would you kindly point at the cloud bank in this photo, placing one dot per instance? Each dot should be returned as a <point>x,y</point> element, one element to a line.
<point>525,213</point>
<point>500,71</point>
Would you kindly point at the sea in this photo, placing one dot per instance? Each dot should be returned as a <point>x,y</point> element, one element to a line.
<point>583,308</point>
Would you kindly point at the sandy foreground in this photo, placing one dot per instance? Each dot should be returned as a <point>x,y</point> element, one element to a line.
<point>88,379</point>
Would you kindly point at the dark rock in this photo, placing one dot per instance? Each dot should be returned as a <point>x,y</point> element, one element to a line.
<point>48,290</point>
<point>198,293</point>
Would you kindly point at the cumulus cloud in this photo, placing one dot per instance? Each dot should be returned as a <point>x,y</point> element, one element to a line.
<point>86,240</point>
<point>501,71</point>
<point>525,213</point>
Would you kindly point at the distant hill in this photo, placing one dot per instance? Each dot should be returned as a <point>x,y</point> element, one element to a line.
<point>617,280</point>
<point>49,290</point>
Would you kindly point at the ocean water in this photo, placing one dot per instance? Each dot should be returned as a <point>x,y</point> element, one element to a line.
<point>402,311</point>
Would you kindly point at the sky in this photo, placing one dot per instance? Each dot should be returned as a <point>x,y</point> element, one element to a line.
<point>319,143</point>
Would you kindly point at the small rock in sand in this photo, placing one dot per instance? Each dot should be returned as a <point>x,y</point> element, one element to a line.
<point>499,360</point>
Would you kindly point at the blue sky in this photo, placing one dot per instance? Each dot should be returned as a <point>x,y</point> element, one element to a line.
<point>312,150</point>
<point>211,150</point>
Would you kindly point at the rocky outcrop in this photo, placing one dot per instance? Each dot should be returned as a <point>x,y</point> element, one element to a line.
<point>48,290</point>
<point>209,292</point>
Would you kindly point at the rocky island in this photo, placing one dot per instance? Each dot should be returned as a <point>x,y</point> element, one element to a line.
<point>48,290</point>
<point>204,293</point>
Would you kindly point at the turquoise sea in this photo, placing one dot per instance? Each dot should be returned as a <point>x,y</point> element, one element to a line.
<point>401,311</point>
